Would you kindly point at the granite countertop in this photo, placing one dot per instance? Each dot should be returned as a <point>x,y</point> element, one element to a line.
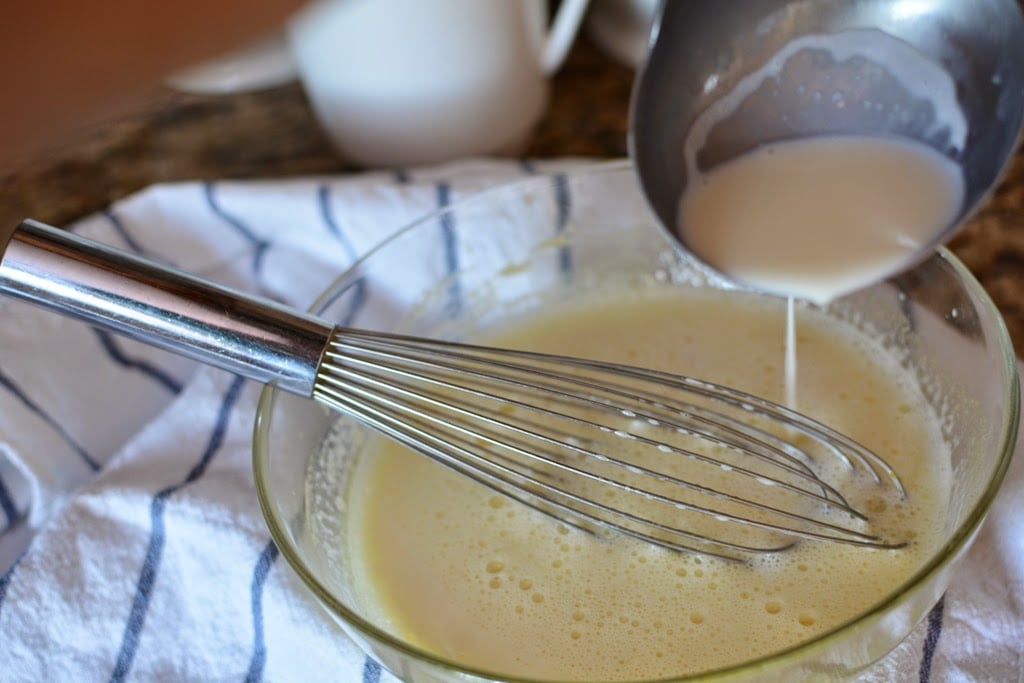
<point>167,136</point>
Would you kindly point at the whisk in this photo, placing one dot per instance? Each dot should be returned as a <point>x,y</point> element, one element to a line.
<point>667,459</point>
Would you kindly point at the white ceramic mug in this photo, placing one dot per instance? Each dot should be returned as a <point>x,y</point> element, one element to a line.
<point>405,82</point>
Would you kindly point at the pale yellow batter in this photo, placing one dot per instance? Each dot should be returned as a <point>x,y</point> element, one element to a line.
<point>480,580</point>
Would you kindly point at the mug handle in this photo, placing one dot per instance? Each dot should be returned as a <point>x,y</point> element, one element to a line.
<point>562,34</point>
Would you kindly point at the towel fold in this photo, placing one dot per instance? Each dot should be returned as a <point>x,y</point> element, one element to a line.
<point>131,543</point>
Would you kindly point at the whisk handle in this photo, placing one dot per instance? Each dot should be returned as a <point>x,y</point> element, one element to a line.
<point>162,306</point>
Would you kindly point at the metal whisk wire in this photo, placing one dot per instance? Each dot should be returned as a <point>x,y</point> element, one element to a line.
<point>453,402</point>
<point>673,461</point>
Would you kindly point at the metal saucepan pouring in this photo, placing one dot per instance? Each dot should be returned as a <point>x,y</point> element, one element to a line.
<point>734,76</point>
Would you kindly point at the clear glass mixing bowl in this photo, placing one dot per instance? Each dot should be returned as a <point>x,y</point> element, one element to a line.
<point>509,250</point>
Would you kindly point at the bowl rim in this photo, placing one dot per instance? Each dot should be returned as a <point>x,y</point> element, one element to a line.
<point>941,559</point>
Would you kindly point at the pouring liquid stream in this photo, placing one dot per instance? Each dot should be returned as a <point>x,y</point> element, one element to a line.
<point>817,218</point>
<point>789,365</point>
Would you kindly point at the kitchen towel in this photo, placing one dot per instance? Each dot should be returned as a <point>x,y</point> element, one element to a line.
<point>131,542</point>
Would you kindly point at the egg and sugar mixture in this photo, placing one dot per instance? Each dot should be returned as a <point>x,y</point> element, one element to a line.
<point>481,580</point>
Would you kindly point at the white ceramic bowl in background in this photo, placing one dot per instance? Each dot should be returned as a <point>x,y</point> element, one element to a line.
<point>406,82</point>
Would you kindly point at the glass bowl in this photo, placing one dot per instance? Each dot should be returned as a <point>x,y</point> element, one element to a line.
<point>505,252</point>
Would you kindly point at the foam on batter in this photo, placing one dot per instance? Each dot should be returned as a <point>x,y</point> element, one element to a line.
<point>481,580</point>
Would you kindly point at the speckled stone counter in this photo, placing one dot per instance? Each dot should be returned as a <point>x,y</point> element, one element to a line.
<point>168,136</point>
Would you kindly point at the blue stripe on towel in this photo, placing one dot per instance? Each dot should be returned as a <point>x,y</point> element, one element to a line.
<point>5,580</point>
<point>109,343</point>
<point>119,228</point>
<point>527,166</point>
<point>371,671</point>
<point>334,227</point>
<point>8,383</point>
<point>259,245</point>
<point>7,505</point>
<point>451,248</point>
<point>270,552</point>
<point>358,299</point>
<point>259,646</point>
<point>563,204</point>
<point>323,198</point>
<point>157,539</point>
<point>931,640</point>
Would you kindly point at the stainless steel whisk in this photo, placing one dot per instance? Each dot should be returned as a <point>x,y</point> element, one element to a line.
<point>671,460</point>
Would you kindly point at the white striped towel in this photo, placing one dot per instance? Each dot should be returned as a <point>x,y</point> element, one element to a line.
<point>131,543</point>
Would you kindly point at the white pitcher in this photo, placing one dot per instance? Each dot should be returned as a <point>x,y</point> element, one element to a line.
<point>405,82</point>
